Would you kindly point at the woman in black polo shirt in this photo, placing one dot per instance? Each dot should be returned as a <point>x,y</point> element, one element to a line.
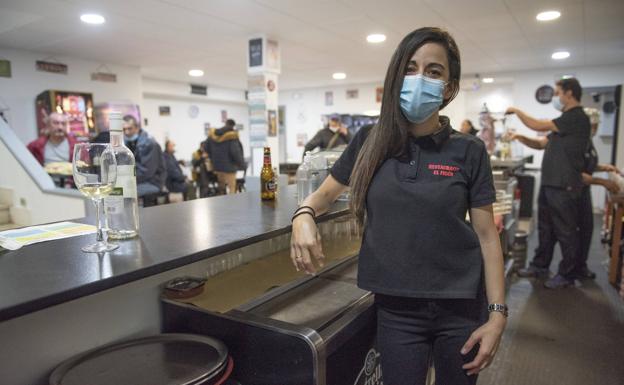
<point>413,179</point>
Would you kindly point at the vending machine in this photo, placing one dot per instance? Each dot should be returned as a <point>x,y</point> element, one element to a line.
<point>77,106</point>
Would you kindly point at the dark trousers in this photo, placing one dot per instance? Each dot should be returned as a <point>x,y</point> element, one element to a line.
<point>412,331</point>
<point>586,224</point>
<point>558,220</point>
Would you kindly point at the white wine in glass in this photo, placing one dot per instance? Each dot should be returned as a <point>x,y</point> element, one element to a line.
<point>95,172</point>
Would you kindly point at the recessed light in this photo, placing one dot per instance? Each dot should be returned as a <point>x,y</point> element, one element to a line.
<point>376,38</point>
<point>339,76</point>
<point>196,73</point>
<point>548,15</point>
<point>488,80</point>
<point>560,55</point>
<point>92,18</point>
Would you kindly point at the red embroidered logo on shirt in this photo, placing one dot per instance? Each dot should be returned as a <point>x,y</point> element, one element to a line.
<point>442,169</point>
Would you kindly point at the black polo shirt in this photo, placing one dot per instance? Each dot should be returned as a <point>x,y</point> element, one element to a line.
<point>417,242</point>
<point>564,156</point>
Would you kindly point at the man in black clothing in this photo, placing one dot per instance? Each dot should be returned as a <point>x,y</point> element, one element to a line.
<point>562,184</point>
<point>226,153</point>
<point>335,134</point>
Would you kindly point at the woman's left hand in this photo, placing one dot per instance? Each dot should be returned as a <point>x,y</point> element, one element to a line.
<point>488,337</point>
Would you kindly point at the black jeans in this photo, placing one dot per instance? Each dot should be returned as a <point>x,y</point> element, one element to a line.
<point>586,225</point>
<point>410,331</point>
<point>558,220</point>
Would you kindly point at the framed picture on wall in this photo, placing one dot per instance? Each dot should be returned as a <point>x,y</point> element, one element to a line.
<point>352,94</point>
<point>164,110</point>
<point>329,98</point>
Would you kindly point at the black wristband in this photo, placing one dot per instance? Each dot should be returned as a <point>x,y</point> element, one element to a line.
<point>306,207</point>
<point>301,213</point>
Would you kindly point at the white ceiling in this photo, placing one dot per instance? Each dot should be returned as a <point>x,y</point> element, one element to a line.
<point>166,38</point>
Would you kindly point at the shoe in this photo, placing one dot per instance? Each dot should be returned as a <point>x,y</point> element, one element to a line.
<point>533,272</point>
<point>558,282</point>
<point>585,273</point>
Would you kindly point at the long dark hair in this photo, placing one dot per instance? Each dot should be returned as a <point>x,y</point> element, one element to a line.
<point>387,139</point>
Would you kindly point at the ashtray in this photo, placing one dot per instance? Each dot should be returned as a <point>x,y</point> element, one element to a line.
<point>184,287</point>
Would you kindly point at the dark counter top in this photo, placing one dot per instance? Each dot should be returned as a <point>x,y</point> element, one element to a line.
<point>50,273</point>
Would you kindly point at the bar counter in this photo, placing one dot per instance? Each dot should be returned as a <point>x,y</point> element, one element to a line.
<point>50,273</point>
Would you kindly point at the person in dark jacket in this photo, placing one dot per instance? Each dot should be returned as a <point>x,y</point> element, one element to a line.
<point>150,167</point>
<point>335,134</point>
<point>176,181</point>
<point>226,152</point>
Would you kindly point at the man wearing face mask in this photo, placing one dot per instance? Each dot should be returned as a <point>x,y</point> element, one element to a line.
<point>561,188</point>
<point>335,134</point>
<point>150,167</point>
<point>56,145</point>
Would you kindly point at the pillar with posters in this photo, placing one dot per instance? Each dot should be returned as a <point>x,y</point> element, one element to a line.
<point>263,69</point>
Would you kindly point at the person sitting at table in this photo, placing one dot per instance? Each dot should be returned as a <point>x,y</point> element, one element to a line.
<point>55,144</point>
<point>176,182</point>
<point>150,167</point>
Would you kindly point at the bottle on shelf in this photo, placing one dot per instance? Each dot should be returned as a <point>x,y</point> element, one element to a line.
<point>122,205</point>
<point>267,177</point>
<point>303,178</point>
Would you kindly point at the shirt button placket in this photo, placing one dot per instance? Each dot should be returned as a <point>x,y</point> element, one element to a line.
<point>413,169</point>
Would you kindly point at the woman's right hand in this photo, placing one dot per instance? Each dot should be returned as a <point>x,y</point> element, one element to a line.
<point>305,244</point>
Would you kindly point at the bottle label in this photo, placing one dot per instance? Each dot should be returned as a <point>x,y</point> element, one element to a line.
<point>271,186</point>
<point>113,204</point>
<point>125,184</point>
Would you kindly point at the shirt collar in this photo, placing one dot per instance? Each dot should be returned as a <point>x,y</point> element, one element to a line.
<point>439,137</point>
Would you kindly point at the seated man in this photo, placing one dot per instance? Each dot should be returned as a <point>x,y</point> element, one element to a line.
<point>176,183</point>
<point>56,145</point>
<point>150,167</point>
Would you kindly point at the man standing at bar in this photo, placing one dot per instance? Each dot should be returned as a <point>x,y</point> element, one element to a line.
<point>561,186</point>
<point>226,153</point>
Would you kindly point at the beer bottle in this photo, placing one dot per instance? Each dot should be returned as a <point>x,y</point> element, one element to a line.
<point>267,177</point>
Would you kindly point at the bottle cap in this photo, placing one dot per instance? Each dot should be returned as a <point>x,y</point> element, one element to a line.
<point>115,122</point>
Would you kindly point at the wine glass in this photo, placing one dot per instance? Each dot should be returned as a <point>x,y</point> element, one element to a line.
<point>95,172</point>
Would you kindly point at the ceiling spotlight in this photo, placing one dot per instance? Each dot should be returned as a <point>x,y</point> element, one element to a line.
<point>548,15</point>
<point>488,80</point>
<point>339,76</point>
<point>560,55</point>
<point>196,73</point>
<point>92,18</point>
<point>376,38</point>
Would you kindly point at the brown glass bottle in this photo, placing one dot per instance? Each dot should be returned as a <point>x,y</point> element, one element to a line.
<point>267,177</point>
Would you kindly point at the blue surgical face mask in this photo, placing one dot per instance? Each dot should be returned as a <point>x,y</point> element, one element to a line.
<point>421,97</point>
<point>132,138</point>
<point>556,102</point>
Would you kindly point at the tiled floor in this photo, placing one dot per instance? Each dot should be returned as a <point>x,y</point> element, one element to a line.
<point>568,337</point>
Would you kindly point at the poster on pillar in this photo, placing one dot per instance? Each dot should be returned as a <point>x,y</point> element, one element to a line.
<point>263,55</point>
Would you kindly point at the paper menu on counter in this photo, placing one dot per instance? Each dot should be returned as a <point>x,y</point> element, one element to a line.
<point>15,239</point>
